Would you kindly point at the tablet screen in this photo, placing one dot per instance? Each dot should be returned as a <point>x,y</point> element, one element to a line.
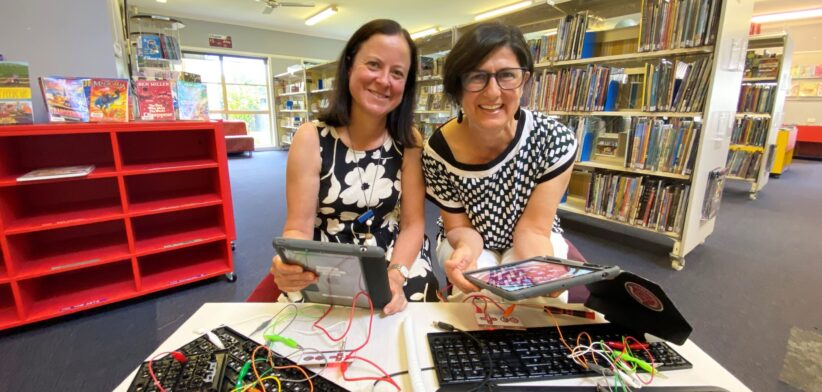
<point>339,276</point>
<point>527,274</point>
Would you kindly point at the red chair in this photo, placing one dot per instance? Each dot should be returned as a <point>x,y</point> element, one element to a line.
<point>267,290</point>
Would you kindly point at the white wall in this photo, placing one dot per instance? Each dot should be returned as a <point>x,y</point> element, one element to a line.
<point>285,48</point>
<point>60,38</point>
<point>806,36</point>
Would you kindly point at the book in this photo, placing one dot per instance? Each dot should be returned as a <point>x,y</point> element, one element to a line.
<point>713,193</point>
<point>66,98</point>
<point>15,93</point>
<point>154,100</point>
<point>150,46</point>
<point>192,101</point>
<point>56,172</point>
<point>108,100</point>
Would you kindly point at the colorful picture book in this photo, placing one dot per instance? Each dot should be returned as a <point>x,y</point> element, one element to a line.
<point>66,98</point>
<point>192,101</point>
<point>154,100</point>
<point>15,93</point>
<point>56,172</point>
<point>108,100</point>
<point>151,46</point>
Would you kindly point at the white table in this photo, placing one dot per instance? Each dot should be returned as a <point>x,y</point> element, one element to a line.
<point>387,348</point>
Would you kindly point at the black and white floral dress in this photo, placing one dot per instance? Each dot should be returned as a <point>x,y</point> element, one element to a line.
<point>351,183</point>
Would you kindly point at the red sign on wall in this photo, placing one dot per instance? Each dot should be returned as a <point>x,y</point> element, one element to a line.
<point>220,41</point>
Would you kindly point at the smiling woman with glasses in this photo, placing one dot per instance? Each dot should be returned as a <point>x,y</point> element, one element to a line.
<point>497,171</point>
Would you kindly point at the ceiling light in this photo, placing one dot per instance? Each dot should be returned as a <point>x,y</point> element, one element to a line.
<point>425,32</point>
<point>321,15</point>
<point>503,10</point>
<point>793,15</point>
<point>161,1</point>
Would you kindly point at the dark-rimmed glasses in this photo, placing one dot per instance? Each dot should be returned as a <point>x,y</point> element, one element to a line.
<point>507,79</point>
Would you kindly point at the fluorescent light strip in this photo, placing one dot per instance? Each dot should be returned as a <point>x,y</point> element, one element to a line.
<point>783,16</point>
<point>503,10</point>
<point>317,18</point>
<point>425,32</point>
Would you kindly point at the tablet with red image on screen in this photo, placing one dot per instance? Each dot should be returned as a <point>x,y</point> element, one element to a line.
<point>538,276</point>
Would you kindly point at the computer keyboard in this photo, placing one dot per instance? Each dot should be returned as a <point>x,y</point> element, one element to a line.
<point>212,369</point>
<point>532,354</point>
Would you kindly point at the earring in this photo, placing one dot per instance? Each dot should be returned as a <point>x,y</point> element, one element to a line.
<point>459,117</point>
<point>516,115</point>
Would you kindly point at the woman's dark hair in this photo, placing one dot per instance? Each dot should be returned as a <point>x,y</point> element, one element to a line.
<point>475,45</point>
<point>401,120</point>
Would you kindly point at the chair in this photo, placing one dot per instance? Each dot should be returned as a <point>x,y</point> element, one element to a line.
<point>267,290</point>
<point>237,138</point>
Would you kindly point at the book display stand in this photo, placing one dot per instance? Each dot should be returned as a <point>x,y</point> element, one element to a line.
<point>154,213</point>
<point>155,46</point>
<point>760,109</point>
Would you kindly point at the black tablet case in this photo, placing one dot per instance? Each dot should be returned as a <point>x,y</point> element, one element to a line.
<point>647,310</point>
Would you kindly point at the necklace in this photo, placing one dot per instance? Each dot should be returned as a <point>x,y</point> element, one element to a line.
<point>368,215</point>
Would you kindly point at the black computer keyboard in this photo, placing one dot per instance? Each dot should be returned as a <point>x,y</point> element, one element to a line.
<point>212,369</point>
<point>532,354</point>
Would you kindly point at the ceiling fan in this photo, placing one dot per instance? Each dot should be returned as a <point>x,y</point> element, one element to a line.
<point>271,4</point>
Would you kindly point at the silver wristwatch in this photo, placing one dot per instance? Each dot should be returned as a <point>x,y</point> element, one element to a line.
<point>403,271</point>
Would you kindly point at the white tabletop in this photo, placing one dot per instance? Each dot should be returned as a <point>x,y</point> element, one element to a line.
<point>387,348</point>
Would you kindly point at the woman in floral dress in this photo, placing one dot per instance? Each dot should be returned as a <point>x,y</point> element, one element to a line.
<point>355,176</point>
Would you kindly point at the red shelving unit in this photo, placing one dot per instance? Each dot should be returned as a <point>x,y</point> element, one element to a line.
<point>155,213</point>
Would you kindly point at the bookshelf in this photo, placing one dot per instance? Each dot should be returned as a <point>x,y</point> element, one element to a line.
<point>610,184</point>
<point>432,108</point>
<point>760,110</point>
<point>321,83</point>
<point>155,213</point>
<point>291,103</point>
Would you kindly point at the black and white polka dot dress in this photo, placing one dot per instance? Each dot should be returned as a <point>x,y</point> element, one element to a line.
<point>494,195</point>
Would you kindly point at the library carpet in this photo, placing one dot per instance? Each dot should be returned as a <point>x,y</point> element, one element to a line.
<point>752,282</point>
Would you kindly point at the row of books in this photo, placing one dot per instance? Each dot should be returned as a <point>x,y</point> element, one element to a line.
<point>157,47</point>
<point>744,164</point>
<point>751,131</point>
<point>570,89</point>
<point>756,98</point>
<point>430,66</point>
<point>674,24</point>
<point>764,65</point>
<point>639,142</point>
<point>655,203</point>
<point>676,86</point>
<point>432,97</point>
<point>15,93</point>
<point>657,146</point>
<point>567,43</point>
<point>74,99</point>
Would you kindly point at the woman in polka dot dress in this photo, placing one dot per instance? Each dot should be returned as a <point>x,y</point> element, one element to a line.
<point>497,171</point>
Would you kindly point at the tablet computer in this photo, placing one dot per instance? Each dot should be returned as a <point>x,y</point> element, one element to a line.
<point>343,270</point>
<point>538,276</point>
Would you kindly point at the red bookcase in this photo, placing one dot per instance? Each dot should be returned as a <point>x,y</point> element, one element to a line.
<point>155,213</point>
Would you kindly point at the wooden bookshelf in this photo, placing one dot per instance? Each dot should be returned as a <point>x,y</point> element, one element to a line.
<point>565,207</point>
<point>157,215</point>
<point>623,169</point>
<point>626,113</point>
<point>772,42</point>
<point>627,58</point>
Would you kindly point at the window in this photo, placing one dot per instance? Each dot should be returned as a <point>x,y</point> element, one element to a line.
<point>237,90</point>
